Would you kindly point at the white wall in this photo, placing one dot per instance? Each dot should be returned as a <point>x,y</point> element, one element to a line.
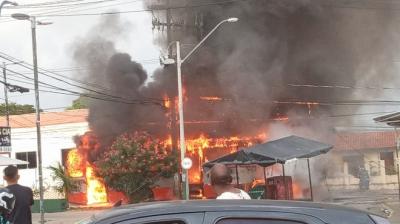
<point>377,182</point>
<point>54,139</point>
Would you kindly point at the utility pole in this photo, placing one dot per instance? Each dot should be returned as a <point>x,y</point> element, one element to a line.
<point>179,61</point>
<point>185,177</point>
<point>397,159</point>
<point>6,94</point>
<point>173,95</point>
<point>32,19</point>
<point>38,132</point>
<point>169,24</point>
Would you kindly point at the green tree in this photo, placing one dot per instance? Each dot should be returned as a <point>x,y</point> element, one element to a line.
<point>134,163</point>
<point>80,103</point>
<point>64,183</point>
<point>16,109</point>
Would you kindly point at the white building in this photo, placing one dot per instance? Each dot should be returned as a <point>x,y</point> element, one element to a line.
<point>58,130</point>
<point>375,151</point>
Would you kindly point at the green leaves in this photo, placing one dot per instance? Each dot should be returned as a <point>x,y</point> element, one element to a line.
<point>17,109</point>
<point>64,183</point>
<point>134,163</point>
<point>80,103</point>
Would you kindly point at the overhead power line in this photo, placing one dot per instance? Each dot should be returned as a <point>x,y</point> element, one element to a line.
<point>144,10</point>
<point>60,4</point>
<point>60,90</point>
<point>64,91</point>
<point>82,84</point>
<point>327,5</point>
<point>331,4</point>
<point>43,12</point>
<point>99,94</point>
<point>343,87</point>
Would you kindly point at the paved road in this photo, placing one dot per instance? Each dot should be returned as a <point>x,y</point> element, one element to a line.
<point>395,218</point>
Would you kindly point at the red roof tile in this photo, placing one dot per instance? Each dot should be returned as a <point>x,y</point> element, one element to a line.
<point>366,140</point>
<point>46,118</point>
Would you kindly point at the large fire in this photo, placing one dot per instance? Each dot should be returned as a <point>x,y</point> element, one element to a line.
<point>79,167</point>
<point>202,149</point>
<point>74,163</point>
<point>96,190</point>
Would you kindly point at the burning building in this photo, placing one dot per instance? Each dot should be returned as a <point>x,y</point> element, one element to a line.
<point>90,188</point>
<point>245,79</point>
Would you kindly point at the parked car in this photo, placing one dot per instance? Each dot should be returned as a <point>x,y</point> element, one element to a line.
<point>234,212</point>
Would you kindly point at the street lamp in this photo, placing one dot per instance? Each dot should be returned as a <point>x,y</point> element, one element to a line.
<point>179,62</point>
<point>7,3</point>
<point>32,19</point>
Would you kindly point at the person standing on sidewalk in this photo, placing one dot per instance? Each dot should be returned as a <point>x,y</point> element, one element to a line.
<point>21,214</point>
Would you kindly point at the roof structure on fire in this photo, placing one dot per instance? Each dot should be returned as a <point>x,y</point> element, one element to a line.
<point>278,151</point>
<point>46,118</point>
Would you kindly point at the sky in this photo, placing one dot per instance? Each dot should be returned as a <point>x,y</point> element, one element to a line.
<point>54,42</point>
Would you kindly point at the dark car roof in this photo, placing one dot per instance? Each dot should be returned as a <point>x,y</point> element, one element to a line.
<point>323,211</point>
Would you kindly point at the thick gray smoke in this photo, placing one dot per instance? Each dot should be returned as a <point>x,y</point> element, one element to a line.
<point>276,43</point>
<point>116,79</point>
<point>249,64</point>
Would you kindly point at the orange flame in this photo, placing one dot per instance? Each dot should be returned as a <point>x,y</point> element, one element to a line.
<point>78,166</point>
<point>297,190</point>
<point>74,163</point>
<point>281,119</point>
<point>211,98</point>
<point>167,102</point>
<point>96,190</point>
<point>197,149</point>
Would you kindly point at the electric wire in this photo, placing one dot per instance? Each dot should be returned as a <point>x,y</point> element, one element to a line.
<point>53,74</point>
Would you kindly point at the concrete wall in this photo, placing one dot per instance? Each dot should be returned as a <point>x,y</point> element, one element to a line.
<point>54,139</point>
<point>376,170</point>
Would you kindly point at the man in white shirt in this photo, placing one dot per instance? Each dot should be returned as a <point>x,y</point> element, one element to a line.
<point>221,180</point>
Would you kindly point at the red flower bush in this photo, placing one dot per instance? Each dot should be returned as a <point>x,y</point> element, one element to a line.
<point>134,163</point>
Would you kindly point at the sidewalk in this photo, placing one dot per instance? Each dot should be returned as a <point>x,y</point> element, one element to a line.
<point>395,217</point>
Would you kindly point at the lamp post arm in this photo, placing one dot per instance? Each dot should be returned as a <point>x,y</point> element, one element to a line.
<point>203,40</point>
<point>5,3</point>
<point>2,4</point>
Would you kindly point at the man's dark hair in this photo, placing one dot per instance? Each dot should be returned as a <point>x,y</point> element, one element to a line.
<point>11,172</point>
<point>220,175</point>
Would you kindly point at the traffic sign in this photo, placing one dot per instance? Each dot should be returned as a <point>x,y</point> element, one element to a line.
<point>186,163</point>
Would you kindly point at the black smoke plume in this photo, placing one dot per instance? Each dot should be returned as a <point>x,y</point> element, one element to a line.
<point>249,64</point>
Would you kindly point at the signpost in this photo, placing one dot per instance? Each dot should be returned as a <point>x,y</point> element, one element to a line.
<point>187,163</point>
<point>5,139</point>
